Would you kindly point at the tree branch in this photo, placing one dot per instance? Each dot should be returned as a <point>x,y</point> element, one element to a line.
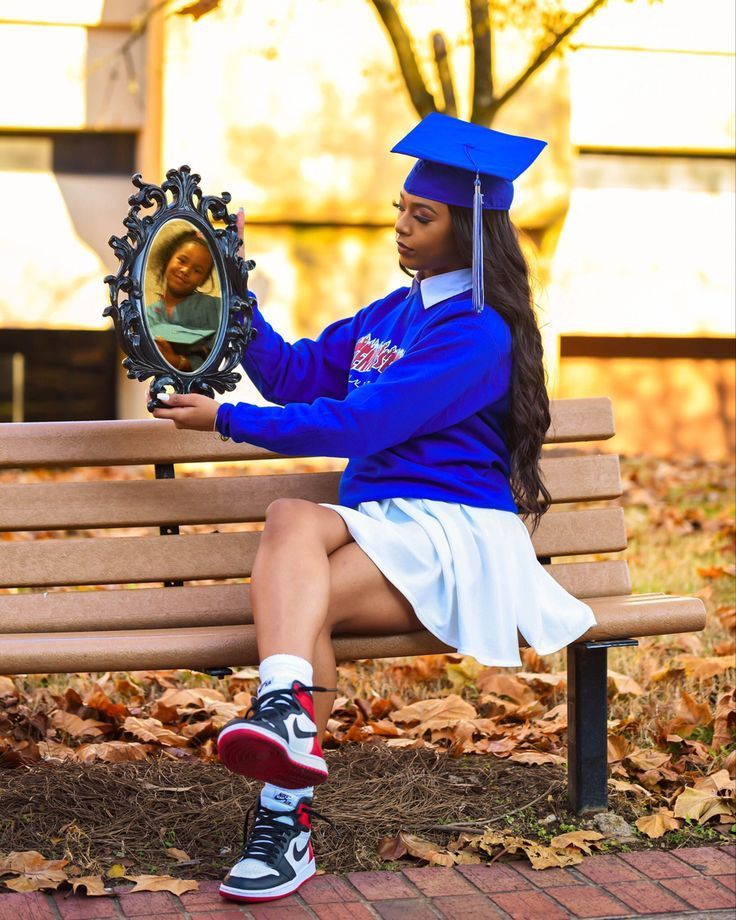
<point>545,54</point>
<point>422,100</point>
<point>444,73</point>
<point>480,27</point>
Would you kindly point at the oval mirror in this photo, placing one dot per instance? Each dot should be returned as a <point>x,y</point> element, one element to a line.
<point>179,300</point>
<point>182,295</point>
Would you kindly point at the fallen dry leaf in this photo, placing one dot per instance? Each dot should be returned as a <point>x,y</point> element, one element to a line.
<point>689,716</point>
<point>391,848</point>
<point>178,855</point>
<point>7,687</point>
<point>622,685</point>
<point>581,840</point>
<point>33,871</point>
<point>701,805</point>
<point>543,857</point>
<point>658,824</point>
<point>76,727</point>
<point>112,751</point>
<point>94,885</point>
<point>489,681</point>
<point>436,713</point>
<point>720,783</point>
<point>724,723</point>
<point>116,871</point>
<point>177,886</point>
<point>463,672</point>
<point>535,757</point>
<point>648,759</point>
<point>621,785</point>
<point>420,848</point>
<point>152,730</point>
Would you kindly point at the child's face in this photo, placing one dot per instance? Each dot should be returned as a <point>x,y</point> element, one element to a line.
<point>187,269</point>
<point>424,236</point>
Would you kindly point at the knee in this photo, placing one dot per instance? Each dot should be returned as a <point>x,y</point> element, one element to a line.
<point>286,514</point>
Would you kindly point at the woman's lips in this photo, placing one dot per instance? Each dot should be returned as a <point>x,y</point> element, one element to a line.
<point>403,250</point>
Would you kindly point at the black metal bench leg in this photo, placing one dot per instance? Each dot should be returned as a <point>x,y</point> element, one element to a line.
<point>587,736</point>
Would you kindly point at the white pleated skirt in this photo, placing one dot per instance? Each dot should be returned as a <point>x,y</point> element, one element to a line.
<point>470,574</point>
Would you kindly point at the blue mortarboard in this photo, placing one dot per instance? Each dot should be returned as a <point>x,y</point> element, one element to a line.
<point>467,165</point>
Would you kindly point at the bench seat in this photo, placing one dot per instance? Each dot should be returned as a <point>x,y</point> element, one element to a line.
<point>209,646</point>
<point>146,601</point>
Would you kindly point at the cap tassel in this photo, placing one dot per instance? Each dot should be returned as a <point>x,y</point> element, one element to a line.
<point>478,292</point>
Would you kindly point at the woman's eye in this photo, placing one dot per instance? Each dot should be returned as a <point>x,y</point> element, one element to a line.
<point>397,205</point>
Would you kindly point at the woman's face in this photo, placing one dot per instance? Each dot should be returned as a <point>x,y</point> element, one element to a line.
<point>424,236</point>
<point>187,269</point>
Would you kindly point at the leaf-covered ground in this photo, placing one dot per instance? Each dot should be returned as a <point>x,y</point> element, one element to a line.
<point>434,757</point>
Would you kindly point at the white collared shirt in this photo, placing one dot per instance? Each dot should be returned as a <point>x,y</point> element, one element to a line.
<point>439,287</point>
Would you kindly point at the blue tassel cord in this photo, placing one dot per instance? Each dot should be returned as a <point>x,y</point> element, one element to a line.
<point>478,292</point>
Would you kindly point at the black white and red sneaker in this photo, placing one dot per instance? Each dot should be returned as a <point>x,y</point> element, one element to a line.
<point>277,741</point>
<point>277,857</point>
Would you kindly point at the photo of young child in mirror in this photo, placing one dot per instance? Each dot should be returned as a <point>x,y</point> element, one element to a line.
<point>182,318</point>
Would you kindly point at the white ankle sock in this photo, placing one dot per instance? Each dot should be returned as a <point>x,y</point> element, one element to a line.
<point>278,799</point>
<point>278,672</point>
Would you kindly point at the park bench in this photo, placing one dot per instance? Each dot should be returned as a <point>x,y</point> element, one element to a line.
<point>209,626</point>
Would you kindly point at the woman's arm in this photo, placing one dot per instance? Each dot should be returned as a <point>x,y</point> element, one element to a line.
<point>458,368</point>
<point>302,372</point>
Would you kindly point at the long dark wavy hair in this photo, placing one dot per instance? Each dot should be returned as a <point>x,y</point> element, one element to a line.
<point>507,290</point>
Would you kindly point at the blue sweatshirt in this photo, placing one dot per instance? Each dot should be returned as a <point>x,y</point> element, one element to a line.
<point>415,396</point>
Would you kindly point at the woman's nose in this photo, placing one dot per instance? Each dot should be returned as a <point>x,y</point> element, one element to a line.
<point>401,226</point>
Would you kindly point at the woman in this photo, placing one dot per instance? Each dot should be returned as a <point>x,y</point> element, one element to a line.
<point>436,394</point>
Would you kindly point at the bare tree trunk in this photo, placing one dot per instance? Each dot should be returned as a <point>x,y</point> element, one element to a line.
<point>444,73</point>
<point>480,25</point>
<point>421,98</point>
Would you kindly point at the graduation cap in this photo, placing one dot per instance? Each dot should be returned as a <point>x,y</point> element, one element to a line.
<point>467,165</point>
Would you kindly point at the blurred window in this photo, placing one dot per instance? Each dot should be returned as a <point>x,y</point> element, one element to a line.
<point>49,375</point>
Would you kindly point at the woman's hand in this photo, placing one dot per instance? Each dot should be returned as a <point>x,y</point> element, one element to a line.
<point>190,410</point>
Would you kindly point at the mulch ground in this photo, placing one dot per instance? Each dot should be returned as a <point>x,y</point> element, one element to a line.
<point>100,814</point>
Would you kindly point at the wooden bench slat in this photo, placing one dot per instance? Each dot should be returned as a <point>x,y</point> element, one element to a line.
<point>127,560</point>
<point>216,605</point>
<point>574,533</point>
<point>219,500</point>
<point>221,646</point>
<point>594,477</point>
<point>121,443</point>
<point>156,502</point>
<point>190,557</point>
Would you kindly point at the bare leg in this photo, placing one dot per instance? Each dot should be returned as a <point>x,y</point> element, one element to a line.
<point>310,578</point>
<point>290,583</point>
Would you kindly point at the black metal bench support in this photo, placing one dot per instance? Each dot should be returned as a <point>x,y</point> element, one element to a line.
<point>166,471</point>
<point>587,716</point>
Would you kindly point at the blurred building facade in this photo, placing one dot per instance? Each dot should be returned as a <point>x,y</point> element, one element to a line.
<point>292,107</point>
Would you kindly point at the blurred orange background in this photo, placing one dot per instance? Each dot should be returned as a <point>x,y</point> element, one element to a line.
<point>292,108</point>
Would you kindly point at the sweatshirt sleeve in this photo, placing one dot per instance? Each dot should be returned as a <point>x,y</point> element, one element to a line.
<point>286,373</point>
<point>456,368</point>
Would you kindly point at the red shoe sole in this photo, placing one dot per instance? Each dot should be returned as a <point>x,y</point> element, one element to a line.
<point>259,757</point>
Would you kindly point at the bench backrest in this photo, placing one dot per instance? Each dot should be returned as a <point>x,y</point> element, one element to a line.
<point>29,565</point>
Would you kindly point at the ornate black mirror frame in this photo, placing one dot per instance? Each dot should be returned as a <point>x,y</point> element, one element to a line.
<point>186,202</point>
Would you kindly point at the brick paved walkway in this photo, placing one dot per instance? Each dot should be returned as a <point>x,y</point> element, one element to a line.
<point>697,882</point>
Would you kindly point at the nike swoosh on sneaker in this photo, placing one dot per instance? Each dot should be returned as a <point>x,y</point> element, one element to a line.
<point>299,854</point>
<point>300,734</point>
